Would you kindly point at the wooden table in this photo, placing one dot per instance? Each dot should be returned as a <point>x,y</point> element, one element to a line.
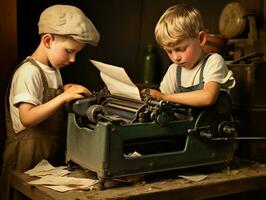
<point>246,176</point>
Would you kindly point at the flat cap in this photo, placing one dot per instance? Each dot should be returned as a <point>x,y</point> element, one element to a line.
<point>68,20</point>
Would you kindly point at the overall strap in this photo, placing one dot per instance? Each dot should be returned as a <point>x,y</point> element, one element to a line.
<point>33,62</point>
<point>202,69</point>
<point>179,72</point>
<point>178,79</point>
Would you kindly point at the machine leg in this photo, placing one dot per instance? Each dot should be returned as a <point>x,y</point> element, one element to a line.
<point>69,165</point>
<point>100,185</point>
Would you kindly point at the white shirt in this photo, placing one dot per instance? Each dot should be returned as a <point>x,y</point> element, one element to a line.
<point>27,86</point>
<point>215,70</point>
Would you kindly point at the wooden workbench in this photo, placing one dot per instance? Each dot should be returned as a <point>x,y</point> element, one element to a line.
<point>243,177</point>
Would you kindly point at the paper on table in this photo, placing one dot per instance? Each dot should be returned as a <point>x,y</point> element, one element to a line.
<point>44,168</point>
<point>51,177</point>
<point>65,182</point>
<point>58,171</point>
<point>117,80</point>
<point>194,178</point>
<point>60,188</point>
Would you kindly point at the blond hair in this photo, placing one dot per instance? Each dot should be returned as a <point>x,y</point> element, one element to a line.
<point>177,23</point>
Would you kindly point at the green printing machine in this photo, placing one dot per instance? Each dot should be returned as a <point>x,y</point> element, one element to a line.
<point>118,137</point>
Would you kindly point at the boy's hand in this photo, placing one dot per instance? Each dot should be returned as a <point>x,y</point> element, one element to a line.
<point>74,91</point>
<point>156,94</point>
<point>152,92</point>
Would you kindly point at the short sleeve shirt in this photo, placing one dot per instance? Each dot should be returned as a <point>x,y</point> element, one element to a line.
<point>27,86</point>
<point>215,70</point>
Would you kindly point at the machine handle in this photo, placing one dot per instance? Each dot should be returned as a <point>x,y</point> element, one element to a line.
<point>238,138</point>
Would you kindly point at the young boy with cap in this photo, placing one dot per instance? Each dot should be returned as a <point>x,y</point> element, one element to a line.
<point>36,94</point>
<point>194,78</point>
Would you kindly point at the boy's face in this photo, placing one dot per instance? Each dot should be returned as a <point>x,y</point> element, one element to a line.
<point>186,53</point>
<point>62,52</point>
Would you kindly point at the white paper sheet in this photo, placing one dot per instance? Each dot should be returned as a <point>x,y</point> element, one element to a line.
<point>44,168</point>
<point>54,182</point>
<point>117,80</point>
<point>194,177</point>
<point>43,165</point>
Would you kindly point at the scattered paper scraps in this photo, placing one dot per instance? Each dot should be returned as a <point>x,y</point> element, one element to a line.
<point>55,178</point>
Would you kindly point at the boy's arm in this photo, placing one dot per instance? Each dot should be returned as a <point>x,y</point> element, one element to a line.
<point>31,115</point>
<point>198,98</point>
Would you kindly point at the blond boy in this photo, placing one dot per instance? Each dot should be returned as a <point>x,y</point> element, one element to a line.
<point>194,78</point>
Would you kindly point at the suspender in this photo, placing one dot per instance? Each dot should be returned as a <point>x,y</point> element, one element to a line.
<point>179,88</point>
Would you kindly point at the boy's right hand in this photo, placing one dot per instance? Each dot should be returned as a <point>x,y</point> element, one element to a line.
<point>153,93</point>
<point>74,91</point>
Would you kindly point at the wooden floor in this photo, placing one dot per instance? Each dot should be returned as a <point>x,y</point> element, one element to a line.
<point>241,176</point>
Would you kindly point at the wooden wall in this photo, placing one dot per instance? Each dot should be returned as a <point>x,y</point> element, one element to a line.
<point>8,55</point>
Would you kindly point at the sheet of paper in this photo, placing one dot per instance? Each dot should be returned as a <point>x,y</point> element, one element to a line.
<point>44,168</point>
<point>132,154</point>
<point>56,172</point>
<point>61,188</point>
<point>194,178</point>
<point>117,80</point>
<point>66,182</point>
<point>43,165</point>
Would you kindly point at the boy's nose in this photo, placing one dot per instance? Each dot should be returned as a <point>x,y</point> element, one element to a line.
<point>72,59</point>
<point>177,58</point>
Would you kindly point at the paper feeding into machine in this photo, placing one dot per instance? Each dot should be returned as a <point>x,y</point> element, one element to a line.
<point>117,133</point>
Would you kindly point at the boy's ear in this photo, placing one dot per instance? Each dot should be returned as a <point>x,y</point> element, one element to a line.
<point>202,38</point>
<point>47,40</point>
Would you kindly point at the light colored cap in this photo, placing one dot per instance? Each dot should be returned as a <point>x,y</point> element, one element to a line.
<point>68,20</point>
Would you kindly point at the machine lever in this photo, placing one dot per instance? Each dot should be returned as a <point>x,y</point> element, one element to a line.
<point>238,138</point>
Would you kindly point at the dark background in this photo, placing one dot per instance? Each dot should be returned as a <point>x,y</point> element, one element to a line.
<point>126,28</point>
